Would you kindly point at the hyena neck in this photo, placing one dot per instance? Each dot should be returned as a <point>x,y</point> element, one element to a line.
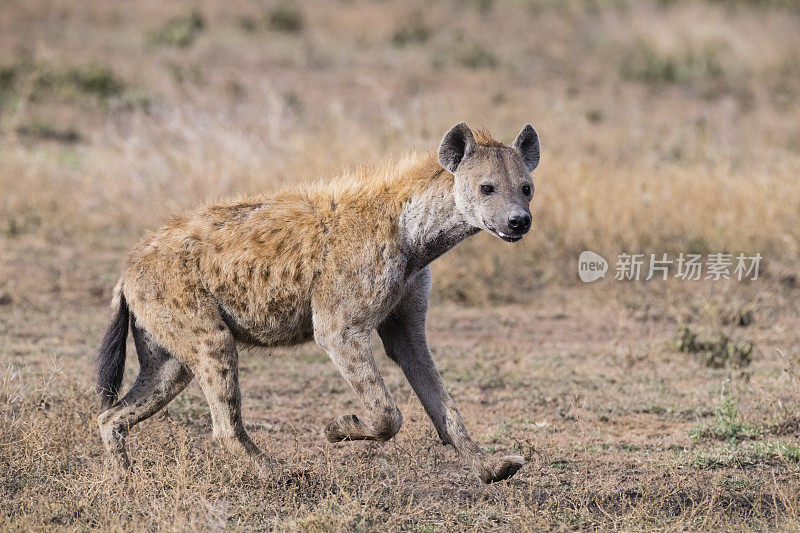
<point>431,224</point>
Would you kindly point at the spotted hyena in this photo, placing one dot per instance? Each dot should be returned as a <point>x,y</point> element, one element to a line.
<point>328,262</point>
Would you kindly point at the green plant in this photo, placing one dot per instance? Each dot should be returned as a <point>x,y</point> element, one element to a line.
<point>45,131</point>
<point>718,351</point>
<point>479,57</point>
<point>92,80</point>
<point>181,31</point>
<point>728,454</point>
<point>286,18</point>
<point>732,454</point>
<point>415,32</point>
<point>68,81</point>
<point>8,75</point>
<point>788,452</point>
<point>645,63</point>
<point>483,6</point>
<point>728,423</point>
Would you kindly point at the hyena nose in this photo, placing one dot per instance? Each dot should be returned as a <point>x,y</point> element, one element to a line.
<point>519,222</point>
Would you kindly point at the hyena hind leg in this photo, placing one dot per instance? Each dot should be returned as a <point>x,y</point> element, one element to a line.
<point>217,370</point>
<point>161,378</point>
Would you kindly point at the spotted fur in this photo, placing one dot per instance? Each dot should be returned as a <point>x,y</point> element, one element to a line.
<point>332,262</point>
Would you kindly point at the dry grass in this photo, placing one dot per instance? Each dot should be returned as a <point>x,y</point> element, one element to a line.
<point>621,429</point>
<point>666,127</point>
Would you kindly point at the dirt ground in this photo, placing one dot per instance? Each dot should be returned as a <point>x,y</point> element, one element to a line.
<point>666,127</point>
<point>620,428</point>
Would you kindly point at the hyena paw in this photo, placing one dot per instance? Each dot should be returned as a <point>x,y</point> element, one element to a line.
<point>500,468</point>
<point>345,427</point>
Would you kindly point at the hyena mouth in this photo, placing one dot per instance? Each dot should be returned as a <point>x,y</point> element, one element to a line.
<point>504,236</point>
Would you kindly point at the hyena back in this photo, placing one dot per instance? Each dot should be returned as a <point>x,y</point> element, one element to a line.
<point>330,263</point>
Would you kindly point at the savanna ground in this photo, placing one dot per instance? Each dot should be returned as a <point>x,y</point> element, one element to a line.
<point>666,127</point>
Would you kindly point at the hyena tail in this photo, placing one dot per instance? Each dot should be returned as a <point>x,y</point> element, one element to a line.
<point>111,356</point>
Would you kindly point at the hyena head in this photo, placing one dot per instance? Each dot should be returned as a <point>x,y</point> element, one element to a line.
<point>493,186</point>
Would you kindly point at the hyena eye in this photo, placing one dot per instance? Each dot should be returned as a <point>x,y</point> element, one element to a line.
<point>487,189</point>
<point>526,190</point>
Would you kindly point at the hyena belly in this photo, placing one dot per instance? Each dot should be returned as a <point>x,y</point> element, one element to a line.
<point>265,303</point>
<point>283,324</point>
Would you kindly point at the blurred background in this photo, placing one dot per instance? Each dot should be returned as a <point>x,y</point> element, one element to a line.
<point>666,125</point>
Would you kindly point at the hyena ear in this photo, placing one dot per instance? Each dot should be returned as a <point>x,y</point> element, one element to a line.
<point>527,144</point>
<point>457,144</point>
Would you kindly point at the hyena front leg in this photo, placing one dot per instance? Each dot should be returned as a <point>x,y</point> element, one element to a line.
<point>350,351</point>
<point>403,336</point>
